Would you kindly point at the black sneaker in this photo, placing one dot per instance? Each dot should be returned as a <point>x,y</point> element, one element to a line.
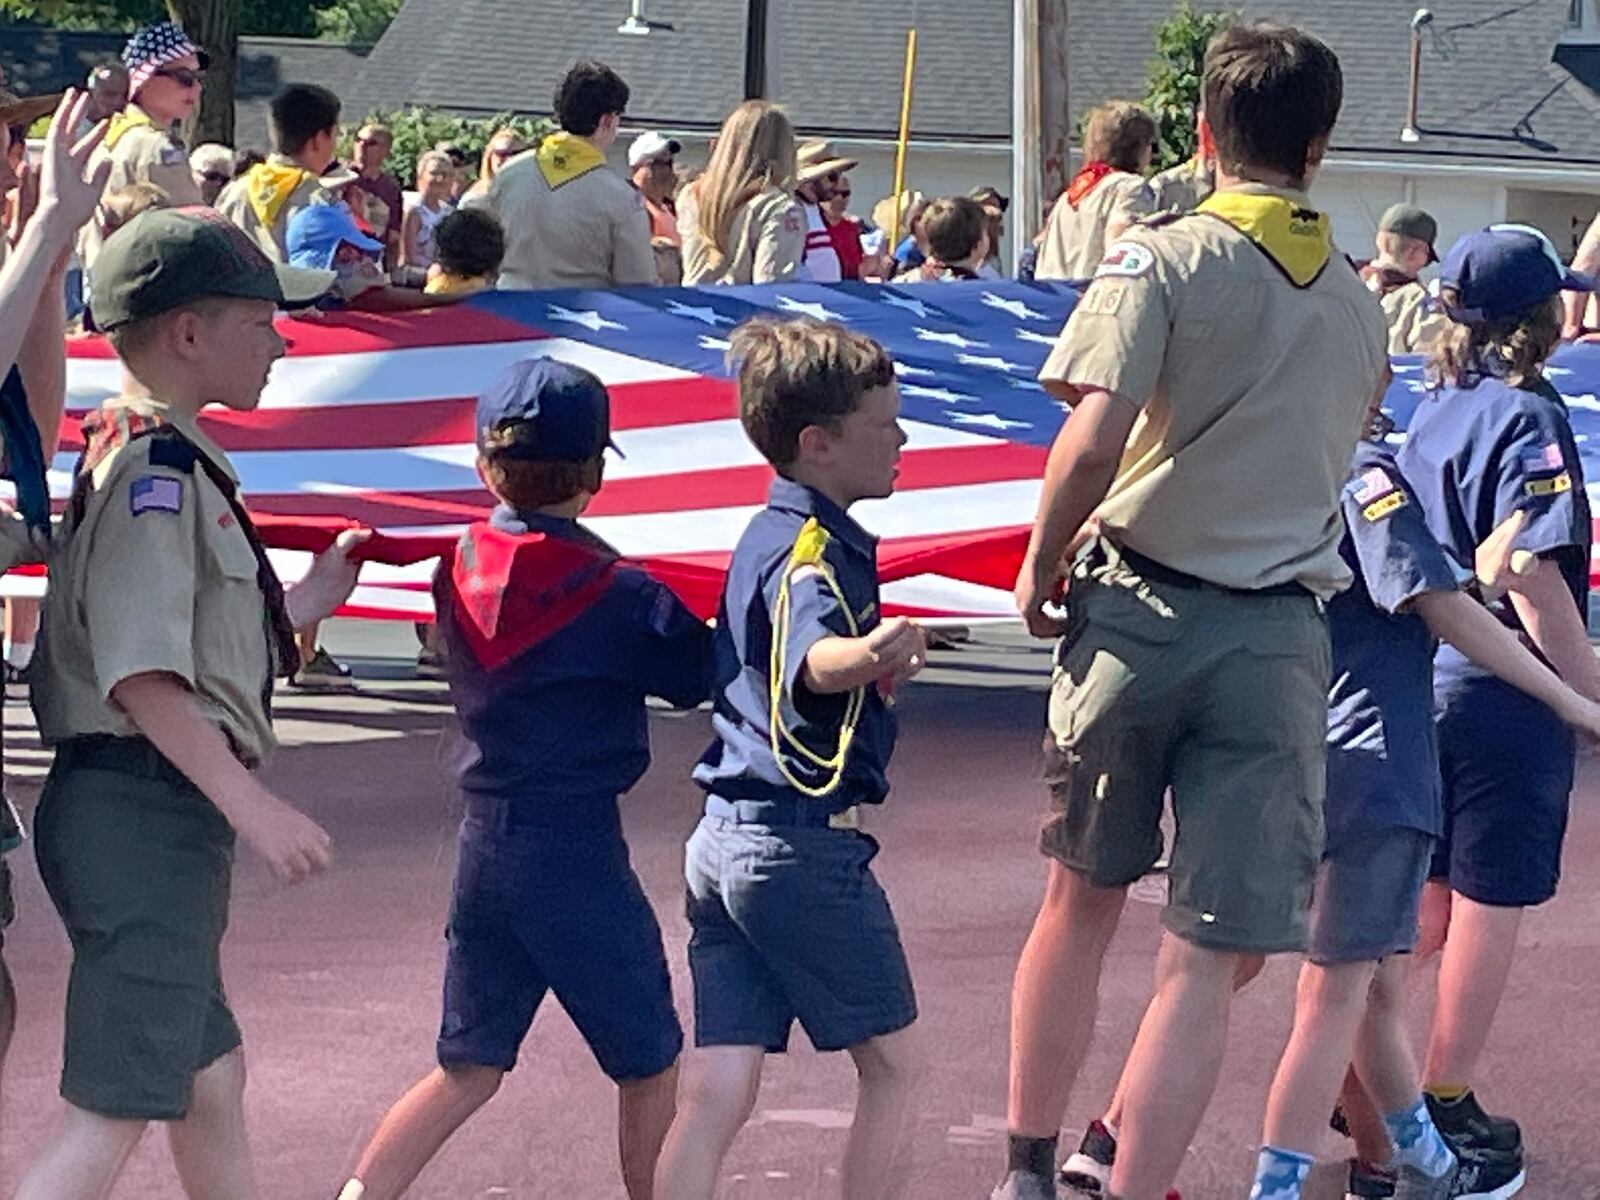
<point>1488,1177</point>
<point>1368,1182</point>
<point>1469,1129</point>
<point>1089,1170</point>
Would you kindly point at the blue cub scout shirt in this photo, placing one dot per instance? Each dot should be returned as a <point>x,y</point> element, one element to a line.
<point>563,719</point>
<point>739,764</point>
<point>1475,455</point>
<point>1383,758</point>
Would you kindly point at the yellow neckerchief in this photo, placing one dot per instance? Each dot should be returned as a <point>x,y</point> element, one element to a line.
<point>1296,238</point>
<point>269,185</point>
<point>562,157</point>
<point>456,285</point>
<point>132,117</point>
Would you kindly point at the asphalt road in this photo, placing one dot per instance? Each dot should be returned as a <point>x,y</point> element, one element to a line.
<point>336,982</point>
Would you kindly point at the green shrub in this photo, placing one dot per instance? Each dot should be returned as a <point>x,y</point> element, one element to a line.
<point>418,130</point>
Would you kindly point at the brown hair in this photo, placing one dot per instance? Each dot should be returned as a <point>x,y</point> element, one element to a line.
<point>133,338</point>
<point>123,204</point>
<point>536,483</point>
<point>1269,92</point>
<point>795,374</point>
<point>1514,348</point>
<point>1118,132</point>
<point>953,226</point>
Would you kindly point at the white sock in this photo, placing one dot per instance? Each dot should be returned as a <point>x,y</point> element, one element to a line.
<point>353,1190</point>
<point>19,654</point>
<point>1111,1128</point>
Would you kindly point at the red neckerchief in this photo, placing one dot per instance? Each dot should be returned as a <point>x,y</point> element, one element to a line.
<point>1085,180</point>
<point>510,591</point>
<point>1388,278</point>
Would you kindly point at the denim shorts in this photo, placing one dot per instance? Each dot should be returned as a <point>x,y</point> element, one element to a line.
<point>1369,890</point>
<point>540,908</point>
<point>788,923</point>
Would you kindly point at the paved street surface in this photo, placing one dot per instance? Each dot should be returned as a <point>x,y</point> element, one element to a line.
<point>336,982</point>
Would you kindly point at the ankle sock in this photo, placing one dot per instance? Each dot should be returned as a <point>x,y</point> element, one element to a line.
<point>1280,1174</point>
<point>353,1190</point>
<point>1417,1141</point>
<point>1037,1156</point>
<point>1111,1128</point>
<point>1447,1093</point>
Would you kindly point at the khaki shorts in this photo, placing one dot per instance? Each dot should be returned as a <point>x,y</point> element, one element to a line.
<point>1220,696</point>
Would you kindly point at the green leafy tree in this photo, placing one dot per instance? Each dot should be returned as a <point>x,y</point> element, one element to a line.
<point>360,21</point>
<point>1172,79</point>
<point>417,130</point>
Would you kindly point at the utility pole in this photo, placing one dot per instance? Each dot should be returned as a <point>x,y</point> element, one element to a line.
<point>755,50</point>
<point>1041,120</point>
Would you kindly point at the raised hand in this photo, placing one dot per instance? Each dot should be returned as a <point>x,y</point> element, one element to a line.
<point>68,190</point>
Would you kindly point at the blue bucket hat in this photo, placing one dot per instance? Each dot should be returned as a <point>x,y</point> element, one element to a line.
<point>543,409</point>
<point>1503,270</point>
<point>316,232</point>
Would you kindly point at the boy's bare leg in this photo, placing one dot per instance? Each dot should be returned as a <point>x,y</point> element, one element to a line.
<point>83,1160</point>
<point>889,1068</point>
<point>1384,1078</point>
<point>715,1099</point>
<point>1330,1005</point>
<point>1172,1070</point>
<point>645,1109</point>
<point>1054,998</point>
<point>1472,979</point>
<point>1367,1130</point>
<point>209,1146</point>
<point>420,1122</point>
<point>1433,921</point>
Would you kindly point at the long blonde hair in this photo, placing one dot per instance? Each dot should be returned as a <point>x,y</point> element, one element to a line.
<point>489,163</point>
<point>755,151</point>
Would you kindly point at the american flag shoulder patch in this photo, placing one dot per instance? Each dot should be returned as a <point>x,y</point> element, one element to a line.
<point>1543,459</point>
<point>155,493</point>
<point>1374,482</point>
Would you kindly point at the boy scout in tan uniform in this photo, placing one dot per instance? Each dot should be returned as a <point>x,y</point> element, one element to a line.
<point>1105,197</point>
<point>570,220</point>
<point>1181,188</point>
<point>767,240</point>
<point>164,628</point>
<point>1405,244</point>
<point>1220,366</point>
<point>304,120</point>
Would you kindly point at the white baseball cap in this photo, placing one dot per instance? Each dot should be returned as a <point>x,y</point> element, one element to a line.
<point>651,145</point>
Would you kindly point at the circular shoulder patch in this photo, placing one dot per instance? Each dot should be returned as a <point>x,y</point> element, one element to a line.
<point>1125,260</point>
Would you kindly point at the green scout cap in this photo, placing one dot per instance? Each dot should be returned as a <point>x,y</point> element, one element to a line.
<point>165,258</point>
<point>1410,221</point>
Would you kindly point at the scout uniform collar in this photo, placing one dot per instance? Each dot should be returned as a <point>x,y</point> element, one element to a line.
<point>132,117</point>
<point>788,496</point>
<point>269,185</point>
<point>563,157</point>
<point>145,411</point>
<point>1295,237</point>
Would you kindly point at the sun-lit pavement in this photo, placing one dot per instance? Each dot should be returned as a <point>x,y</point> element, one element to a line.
<point>336,981</point>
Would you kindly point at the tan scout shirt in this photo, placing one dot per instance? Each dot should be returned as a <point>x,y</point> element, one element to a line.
<point>157,577</point>
<point>140,151</point>
<point>1075,238</point>
<point>306,190</point>
<point>1405,308</point>
<point>591,231</point>
<point>766,241</point>
<point>1181,188</point>
<point>1252,393</point>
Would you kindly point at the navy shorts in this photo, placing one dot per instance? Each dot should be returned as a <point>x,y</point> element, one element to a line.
<point>787,923</point>
<point>538,909</point>
<point>1369,889</point>
<point>1507,763</point>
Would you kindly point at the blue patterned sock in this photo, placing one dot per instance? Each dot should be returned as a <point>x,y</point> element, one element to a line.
<point>1279,1174</point>
<point>1417,1141</point>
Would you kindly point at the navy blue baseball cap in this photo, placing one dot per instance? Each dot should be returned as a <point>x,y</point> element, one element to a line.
<point>543,409</point>
<point>1503,270</point>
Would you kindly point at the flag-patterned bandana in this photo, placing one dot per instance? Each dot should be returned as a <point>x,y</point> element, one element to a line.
<point>151,48</point>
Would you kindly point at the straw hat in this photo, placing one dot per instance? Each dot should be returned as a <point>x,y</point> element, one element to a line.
<point>818,158</point>
<point>25,110</point>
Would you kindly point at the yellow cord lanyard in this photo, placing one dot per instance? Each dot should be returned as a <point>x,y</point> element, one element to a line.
<point>807,558</point>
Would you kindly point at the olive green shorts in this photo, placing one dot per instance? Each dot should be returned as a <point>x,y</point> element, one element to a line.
<point>138,863</point>
<point>1220,696</point>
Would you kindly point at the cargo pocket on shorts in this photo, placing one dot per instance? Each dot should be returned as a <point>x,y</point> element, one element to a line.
<point>1118,629</point>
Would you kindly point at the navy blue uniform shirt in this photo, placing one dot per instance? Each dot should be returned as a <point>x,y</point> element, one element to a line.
<point>564,719</point>
<point>1383,757</point>
<point>1475,455</point>
<point>739,765</point>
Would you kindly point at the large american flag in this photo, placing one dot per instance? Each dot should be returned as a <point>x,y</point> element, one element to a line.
<point>369,419</point>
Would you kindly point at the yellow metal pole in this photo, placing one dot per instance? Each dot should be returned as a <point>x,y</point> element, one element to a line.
<point>905,134</point>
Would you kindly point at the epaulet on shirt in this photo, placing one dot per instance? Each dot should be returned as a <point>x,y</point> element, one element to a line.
<point>174,453</point>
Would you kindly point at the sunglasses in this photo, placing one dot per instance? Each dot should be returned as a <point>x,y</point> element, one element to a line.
<point>182,76</point>
<point>844,193</point>
<point>505,152</point>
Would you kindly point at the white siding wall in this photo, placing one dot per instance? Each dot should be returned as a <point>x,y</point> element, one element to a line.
<point>1355,200</point>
